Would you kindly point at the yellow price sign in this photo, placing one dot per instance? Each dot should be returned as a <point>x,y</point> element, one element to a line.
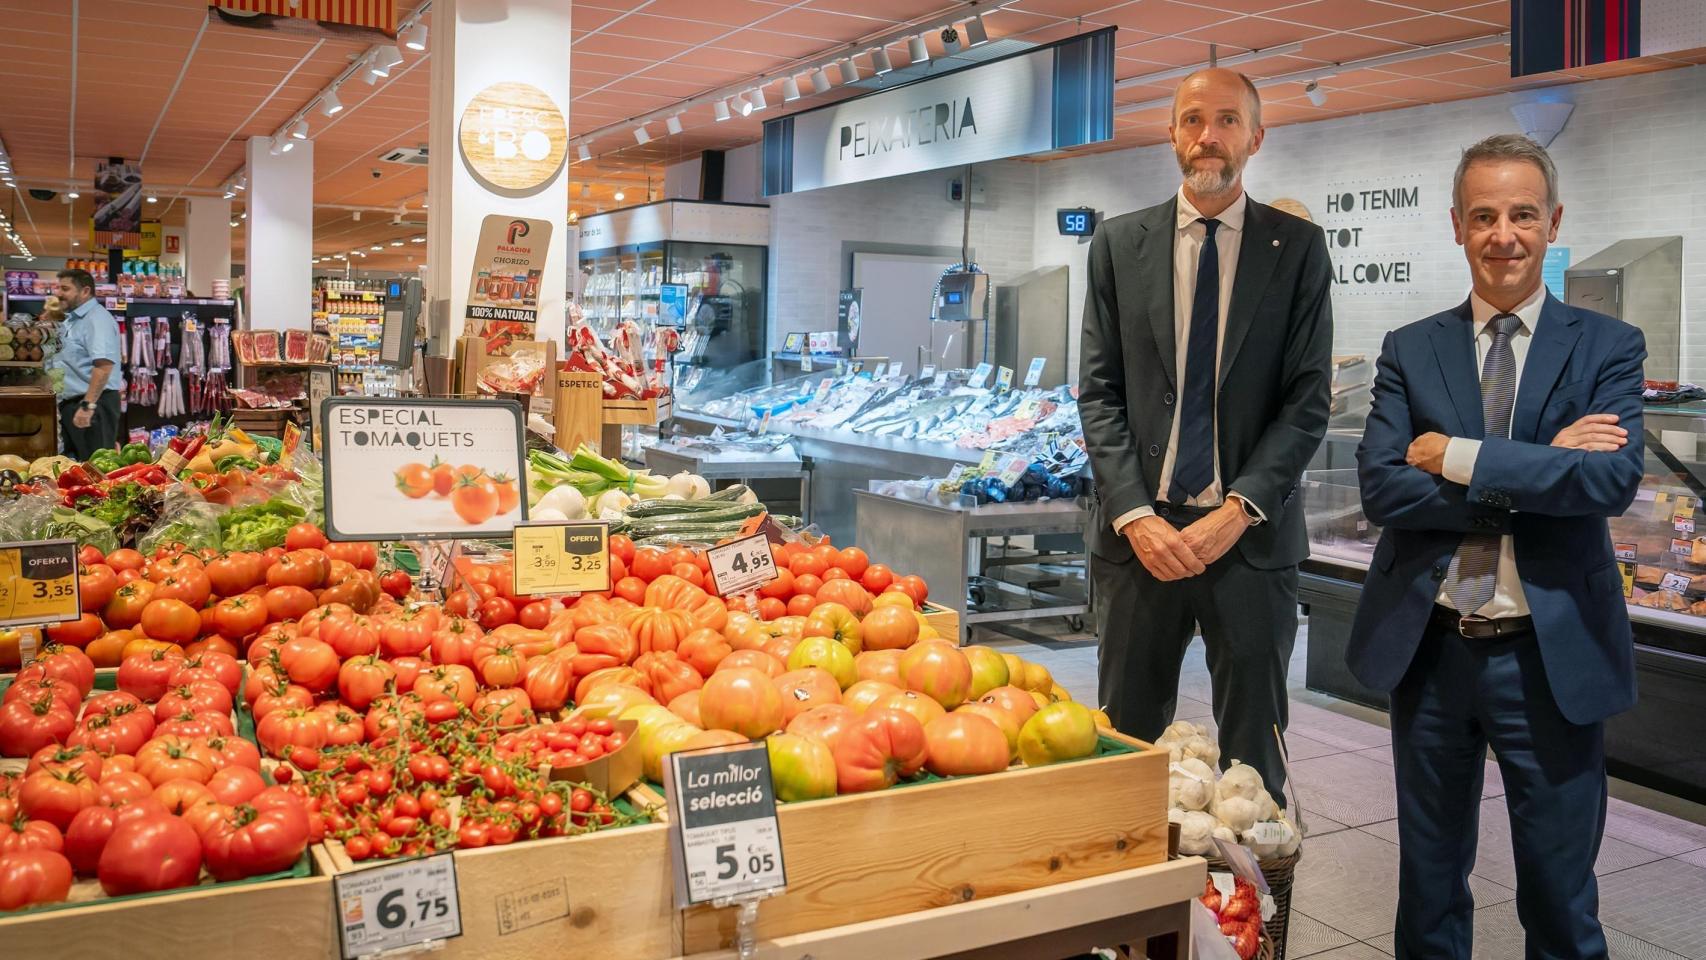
<point>38,582</point>
<point>558,558</point>
<point>1628,571</point>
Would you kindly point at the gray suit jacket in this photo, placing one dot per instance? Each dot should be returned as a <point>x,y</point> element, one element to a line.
<point>1275,372</point>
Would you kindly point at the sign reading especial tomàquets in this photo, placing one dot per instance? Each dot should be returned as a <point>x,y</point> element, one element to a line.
<point>1049,98</point>
<point>415,469</point>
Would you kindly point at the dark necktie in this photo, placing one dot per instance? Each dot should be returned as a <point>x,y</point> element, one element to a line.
<point>1193,463</point>
<point>1474,573</point>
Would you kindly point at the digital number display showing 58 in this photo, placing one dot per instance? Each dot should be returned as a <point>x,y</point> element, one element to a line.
<point>1076,221</point>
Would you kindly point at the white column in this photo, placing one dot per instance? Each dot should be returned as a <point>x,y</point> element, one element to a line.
<point>278,236</point>
<point>476,43</point>
<point>207,244</point>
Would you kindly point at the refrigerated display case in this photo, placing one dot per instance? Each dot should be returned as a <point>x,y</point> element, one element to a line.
<point>700,267</point>
<point>1663,555</point>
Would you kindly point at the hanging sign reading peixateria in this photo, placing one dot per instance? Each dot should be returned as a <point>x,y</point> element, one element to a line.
<point>1044,99</point>
<point>418,469</point>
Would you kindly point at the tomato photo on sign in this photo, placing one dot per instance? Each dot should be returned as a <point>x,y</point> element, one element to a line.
<point>474,499</point>
<point>414,480</point>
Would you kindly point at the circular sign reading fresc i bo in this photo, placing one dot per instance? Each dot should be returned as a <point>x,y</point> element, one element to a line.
<point>513,136</point>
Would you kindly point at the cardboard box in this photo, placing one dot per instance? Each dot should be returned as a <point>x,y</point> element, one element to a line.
<point>611,774</point>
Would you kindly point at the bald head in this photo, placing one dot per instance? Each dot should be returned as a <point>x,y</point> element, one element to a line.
<point>1219,80</point>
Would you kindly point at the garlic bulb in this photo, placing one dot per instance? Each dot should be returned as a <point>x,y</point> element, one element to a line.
<point>1266,808</point>
<point>1224,832</point>
<point>1293,839</point>
<point>1240,780</point>
<point>1190,785</point>
<point>1202,748</point>
<point>1175,815</point>
<point>1181,730</point>
<point>1196,833</point>
<point>1236,812</point>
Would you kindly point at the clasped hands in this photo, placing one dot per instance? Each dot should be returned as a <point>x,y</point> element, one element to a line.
<point>1171,554</point>
<point>1596,432</point>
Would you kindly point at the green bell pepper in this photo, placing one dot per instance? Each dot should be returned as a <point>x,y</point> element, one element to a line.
<point>136,453</point>
<point>106,461</point>
<point>236,460</point>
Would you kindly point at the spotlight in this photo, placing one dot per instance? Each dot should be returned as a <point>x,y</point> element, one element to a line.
<point>417,239</point>
<point>276,148</point>
<point>722,110</point>
<point>153,199</point>
<point>233,224</point>
<point>330,105</point>
<point>849,70</point>
<point>642,135</point>
<point>299,130</point>
<point>743,106</point>
<point>584,152</point>
<point>415,38</point>
<point>790,90</point>
<point>756,95</point>
<point>229,192</point>
<point>243,182</point>
<point>976,35</point>
<point>880,61</point>
<point>396,243</point>
<point>820,80</point>
<point>950,40</point>
<point>1317,95</point>
<point>372,78</point>
<point>387,56</point>
<point>620,196</point>
<point>673,124</point>
<point>376,247</point>
<point>73,194</point>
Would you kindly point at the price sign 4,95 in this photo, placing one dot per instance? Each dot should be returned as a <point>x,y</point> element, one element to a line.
<point>724,833</point>
<point>398,906</point>
<point>743,565</point>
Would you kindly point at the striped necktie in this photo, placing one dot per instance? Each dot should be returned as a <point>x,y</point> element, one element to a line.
<point>1473,576</point>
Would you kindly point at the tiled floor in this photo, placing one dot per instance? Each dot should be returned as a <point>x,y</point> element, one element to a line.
<point>1652,865</point>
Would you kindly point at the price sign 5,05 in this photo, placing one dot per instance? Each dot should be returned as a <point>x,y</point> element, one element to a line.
<point>558,558</point>
<point>743,565</point>
<point>38,582</point>
<point>393,907</point>
<point>724,833</point>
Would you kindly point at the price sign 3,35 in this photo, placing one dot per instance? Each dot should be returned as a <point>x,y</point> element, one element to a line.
<point>38,582</point>
<point>743,565</point>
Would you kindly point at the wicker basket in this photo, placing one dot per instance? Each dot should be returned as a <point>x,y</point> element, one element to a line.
<point>1279,872</point>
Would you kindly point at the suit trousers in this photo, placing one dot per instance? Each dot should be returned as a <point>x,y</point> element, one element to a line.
<point>102,432</point>
<point>1458,697</point>
<point>1249,625</point>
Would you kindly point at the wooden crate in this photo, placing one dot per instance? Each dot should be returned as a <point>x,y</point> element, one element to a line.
<point>646,413</point>
<point>943,620</point>
<point>870,856</point>
<point>605,894</point>
<point>279,918</point>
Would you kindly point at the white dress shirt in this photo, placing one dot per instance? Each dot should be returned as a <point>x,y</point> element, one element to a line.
<point>1460,452</point>
<point>1187,250</point>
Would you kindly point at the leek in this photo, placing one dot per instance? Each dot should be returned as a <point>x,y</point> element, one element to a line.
<point>547,470</point>
<point>638,483</point>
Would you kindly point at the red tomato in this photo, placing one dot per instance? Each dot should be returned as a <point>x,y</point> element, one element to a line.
<point>396,583</point>
<point>915,588</point>
<point>780,588</point>
<point>363,680</point>
<point>631,589</point>
<point>288,602</point>
<point>33,877</point>
<point>124,610</point>
<point>89,555</point>
<point>150,853</point>
<point>649,563</point>
<point>877,578</point>
<point>173,621</point>
<point>304,536</point>
<point>808,564</point>
<point>55,796</point>
<point>191,586</point>
<point>689,572</point>
<point>309,662</point>
<point>622,546</point>
<point>126,559</point>
<point>239,616</point>
<point>835,573</point>
<point>235,785</point>
<point>496,612</point>
<point>853,560</point>
<point>801,604</point>
<point>27,725</point>
<point>771,608</point>
<point>535,615</point>
<point>247,844</point>
<point>79,632</point>
<point>96,585</point>
<point>807,585</point>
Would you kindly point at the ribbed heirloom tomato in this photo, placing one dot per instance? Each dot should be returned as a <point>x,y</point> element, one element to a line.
<point>150,853</point>
<point>32,877</point>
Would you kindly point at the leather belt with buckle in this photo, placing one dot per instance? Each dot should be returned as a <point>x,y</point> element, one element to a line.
<point>1481,628</point>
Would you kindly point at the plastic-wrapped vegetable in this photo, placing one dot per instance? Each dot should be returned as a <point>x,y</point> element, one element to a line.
<point>188,519</point>
<point>65,523</point>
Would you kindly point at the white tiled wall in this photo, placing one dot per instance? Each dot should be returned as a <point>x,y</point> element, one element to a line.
<point>1632,163</point>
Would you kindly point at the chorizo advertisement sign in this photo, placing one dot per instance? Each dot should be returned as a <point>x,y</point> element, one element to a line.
<point>503,296</point>
<point>118,204</point>
<point>412,469</point>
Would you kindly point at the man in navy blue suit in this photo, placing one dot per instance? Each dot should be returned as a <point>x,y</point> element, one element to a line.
<point>1504,432</point>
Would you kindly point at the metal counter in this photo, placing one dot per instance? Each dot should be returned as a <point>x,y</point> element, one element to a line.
<point>667,459</point>
<point>945,546</point>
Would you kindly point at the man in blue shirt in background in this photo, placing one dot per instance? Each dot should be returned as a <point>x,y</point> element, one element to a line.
<point>89,356</point>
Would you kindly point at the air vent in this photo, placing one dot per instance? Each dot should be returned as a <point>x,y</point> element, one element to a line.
<point>413,156</point>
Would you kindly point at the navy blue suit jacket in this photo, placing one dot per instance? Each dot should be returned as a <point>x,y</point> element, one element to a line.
<point>1553,501</point>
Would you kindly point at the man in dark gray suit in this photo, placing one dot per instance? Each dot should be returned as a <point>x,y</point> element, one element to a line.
<point>1204,391</point>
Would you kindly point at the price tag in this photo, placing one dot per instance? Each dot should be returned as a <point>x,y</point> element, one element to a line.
<point>1028,408</point>
<point>1034,375</point>
<point>897,368</point>
<point>955,474</point>
<point>1675,581</point>
<point>979,376</point>
<point>1004,378</point>
<point>1624,551</point>
<point>988,461</point>
<point>928,372</point>
<point>1661,504</point>
<point>822,389</point>
<point>38,582</point>
<point>557,558</point>
<point>1628,570</point>
<point>1684,525</point>
<point>723,828</point>
<point>764,424</point>
<point>1269,833</point>
<point>1013,468</point>
<point>1682,548</point>
<point>1243,863</point>
<point>743,565</point>
<point>858,366</point>
<point>399,906</point>
<point>805,361</point>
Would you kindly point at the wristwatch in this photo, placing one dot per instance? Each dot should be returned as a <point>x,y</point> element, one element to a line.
<point>85,405</point>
